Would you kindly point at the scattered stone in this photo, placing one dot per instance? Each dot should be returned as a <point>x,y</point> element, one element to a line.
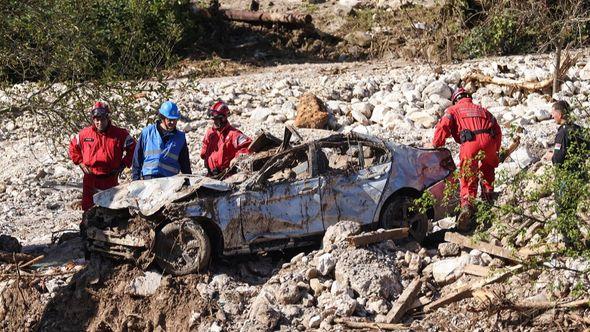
<point>359,38</point>
<point>145,285</point>
<point>325,264</point>
<point>447,249</point>
<point>444,268</point>
<point>339,232</point>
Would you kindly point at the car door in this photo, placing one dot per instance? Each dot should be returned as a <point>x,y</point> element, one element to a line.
<point>285,201</point>
<point>352,183</point>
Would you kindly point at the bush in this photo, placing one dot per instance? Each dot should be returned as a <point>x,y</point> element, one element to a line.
<point>70,40</point>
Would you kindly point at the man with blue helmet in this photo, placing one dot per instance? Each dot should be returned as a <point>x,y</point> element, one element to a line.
<point>161,149</point>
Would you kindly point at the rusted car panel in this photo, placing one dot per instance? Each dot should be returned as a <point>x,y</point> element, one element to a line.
<point>294,193</point>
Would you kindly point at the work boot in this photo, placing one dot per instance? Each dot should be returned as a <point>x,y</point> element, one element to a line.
<point>465,220</point>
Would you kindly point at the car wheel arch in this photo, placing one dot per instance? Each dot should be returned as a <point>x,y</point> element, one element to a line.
<point>213,231</point>
<point>405,191</point>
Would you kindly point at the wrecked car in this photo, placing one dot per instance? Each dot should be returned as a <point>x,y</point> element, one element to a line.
<point>286,193</point>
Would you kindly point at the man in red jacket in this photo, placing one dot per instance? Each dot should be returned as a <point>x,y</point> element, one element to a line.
<point>102,151</point>
<point>222,143</point>
<point>480,136</point>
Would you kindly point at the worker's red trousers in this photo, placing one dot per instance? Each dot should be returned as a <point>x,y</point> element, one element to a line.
<point>473,164</point>
<point>91,184</point>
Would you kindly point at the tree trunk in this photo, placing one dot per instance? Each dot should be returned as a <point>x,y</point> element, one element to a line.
<point>557,65</point>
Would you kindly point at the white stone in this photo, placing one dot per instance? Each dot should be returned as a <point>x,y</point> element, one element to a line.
<point>359,117</point>
<point>585,72</point>
<point>145,285</point>
<point>439,88</point>
<point>541,115</point>
<point>522,157</point>
<point>363,107</point>
<point>325,264</point>
<point>260,114</point>
<point>445,267</point>
<point>568,88</point>
<point>378,113</point>
<point>422,119</point>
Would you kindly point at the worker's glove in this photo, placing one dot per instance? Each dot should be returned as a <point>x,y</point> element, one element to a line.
<point>85,169</point>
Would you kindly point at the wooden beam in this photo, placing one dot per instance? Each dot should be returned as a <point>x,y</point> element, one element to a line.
<point>378,236</point>
<point>403,302</point>
<point>486,247</point>
<point>476,270</point>
<point>370,325</point>
<point>465,291</point>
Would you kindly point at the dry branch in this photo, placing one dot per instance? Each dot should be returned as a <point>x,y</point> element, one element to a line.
<point>545,305</point>
<point>265,17</point>
<point>378,236</point>
<point>15,257</point>
<point>370,325</point>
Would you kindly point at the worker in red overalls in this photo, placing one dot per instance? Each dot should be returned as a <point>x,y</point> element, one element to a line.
<point>102,151</point>
<point>480,136</point>
<point>222,142</point>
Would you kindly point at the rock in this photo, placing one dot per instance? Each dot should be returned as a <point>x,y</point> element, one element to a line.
<point>342,305</point>
<point>359,117</point>
<point>437,88</point>
<point>378,112</point>
<point>53,285</point>
<point>314,322</point>
<point>522,157</point>
<point>447,249</point>
<point>585,72</point>
<point>447,223</point>
<point>288,294</point>
<point>145,285</point>
<point>359,38</point>
<point>311,112</point>
<point>316,286</point>
<point>297,257</point>
<point>568,88</point>
<point>542,115</point>
<point>349,3</point>
<point>368,275</point>
<point>444,268</point>
<point>262,312</point>
<point>339,232</point>
<point>2,187</point>
<point>260,114</point>
<point>10,244</point>
<point>363,107</point>
<point>422,119</point>
<point>325,264</point>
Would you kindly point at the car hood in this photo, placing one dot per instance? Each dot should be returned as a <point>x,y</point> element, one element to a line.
<point>149,196</point>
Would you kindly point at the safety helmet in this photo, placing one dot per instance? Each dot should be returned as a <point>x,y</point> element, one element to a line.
<point>170,110</point>
<point>458,94</point>
<point>99,109</point>
<point>218,109</point>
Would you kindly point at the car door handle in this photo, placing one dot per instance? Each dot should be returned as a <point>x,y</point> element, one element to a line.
<point>370,176</point>
<point>306,191</point>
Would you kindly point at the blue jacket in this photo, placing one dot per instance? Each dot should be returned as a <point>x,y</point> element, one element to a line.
<point>159,153</point>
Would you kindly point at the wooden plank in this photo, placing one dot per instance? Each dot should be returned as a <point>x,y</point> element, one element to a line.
<point>370,325</point>
<point>378,236</point>
<point>482,246</point>
<point>403,302</point>
<point>420,302</point>
<point>466,290</point>
<point>476,270</point>
<point>544,249</point>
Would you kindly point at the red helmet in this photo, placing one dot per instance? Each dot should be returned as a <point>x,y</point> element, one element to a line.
<point>458,94</point>
<point>100,109</point>
<point>218,109</point>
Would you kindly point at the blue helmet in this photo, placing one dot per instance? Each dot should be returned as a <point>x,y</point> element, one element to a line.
<point>170,110</point>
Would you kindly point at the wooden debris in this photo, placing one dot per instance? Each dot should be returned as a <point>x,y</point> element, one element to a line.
<point>378,236</point>
<point>265,17</point>
<point>32,261</point>
<point>541,250</point>
<point>370,325</point>
<point>403,302</point>
<point>14,257</point>
<point>466,290</point>
<point>476,270</point>
<point>420,302</point>
<point>486,247</point>
<point>544,305</point>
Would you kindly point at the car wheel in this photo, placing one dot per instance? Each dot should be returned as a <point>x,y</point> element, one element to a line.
<point>182,247</point>
<point>398,213</point>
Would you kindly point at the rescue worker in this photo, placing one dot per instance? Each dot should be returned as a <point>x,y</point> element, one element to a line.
<point>102,151</point>
<point>222,142</point>
<point>161,149</point>
<point>480,136</point>
<point>567,132</point>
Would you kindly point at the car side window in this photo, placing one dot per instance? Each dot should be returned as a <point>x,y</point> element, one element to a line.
<point>341,157</point>
<point>373,155</point>
<point>292,167</point>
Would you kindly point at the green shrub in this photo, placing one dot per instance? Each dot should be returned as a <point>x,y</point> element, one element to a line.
<point>78,40</point>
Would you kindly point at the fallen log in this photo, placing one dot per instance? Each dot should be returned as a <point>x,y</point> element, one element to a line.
<point>482,246</point>
<point>476,270</point>
<point>14,257</point>
<point>378,236</point>
<point>265,17</point>
<point>404,302</point>
<point>466,290</point>
<point>370,325</point>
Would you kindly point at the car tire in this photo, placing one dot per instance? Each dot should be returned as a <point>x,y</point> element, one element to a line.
<point>397,213</point>
<point>182,247</point>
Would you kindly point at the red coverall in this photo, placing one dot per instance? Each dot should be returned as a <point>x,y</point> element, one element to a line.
<point>466,115</point>
<point>102,153</point>
<point>222,145</point>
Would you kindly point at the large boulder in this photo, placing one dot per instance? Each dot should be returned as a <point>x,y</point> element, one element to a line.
<point>437,88</point>
<point>311,112</point>
<point>9,244</point>
<point>367,274</point>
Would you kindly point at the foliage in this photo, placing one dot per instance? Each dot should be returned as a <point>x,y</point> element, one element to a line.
<point>69,40</point>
